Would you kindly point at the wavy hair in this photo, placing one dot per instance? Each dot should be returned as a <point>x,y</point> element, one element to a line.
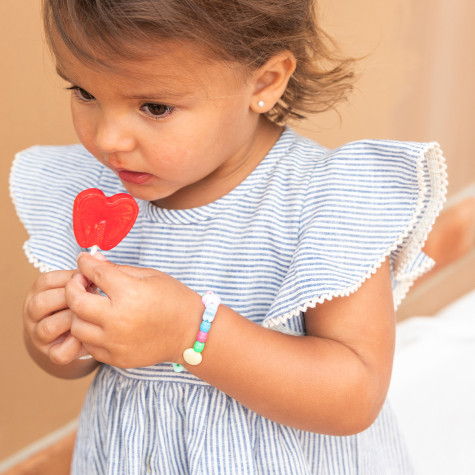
<point>246,31</point>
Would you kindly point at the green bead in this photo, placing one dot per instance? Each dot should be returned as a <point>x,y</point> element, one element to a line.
<point>198,346</point>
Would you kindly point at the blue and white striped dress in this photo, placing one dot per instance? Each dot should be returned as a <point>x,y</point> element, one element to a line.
<point>308,224</point>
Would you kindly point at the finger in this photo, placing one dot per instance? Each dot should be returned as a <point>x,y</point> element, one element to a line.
<point>45,303</point>
<point>106,275</point>
<point>83,354</point>
<point>91,307</point>
<point>88,285</point>
<point>65,352</point>
<point>92,288</point>
<point>98,353</point>
<point>51,328</point>
<point>138,272</point>
<point>52,280</point>
<point>86,332</point>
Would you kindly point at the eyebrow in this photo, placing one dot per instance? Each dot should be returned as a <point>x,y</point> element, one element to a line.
<point>162,94</point>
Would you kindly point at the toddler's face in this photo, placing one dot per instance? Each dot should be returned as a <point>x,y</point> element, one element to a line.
<point>177,129</point>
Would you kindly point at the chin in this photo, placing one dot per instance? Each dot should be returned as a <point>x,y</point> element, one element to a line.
<point>141,192</point>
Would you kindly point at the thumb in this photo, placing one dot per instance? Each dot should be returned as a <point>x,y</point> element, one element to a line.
<point>138,272</point>
<point>104,274</point>
<point>99,256</point>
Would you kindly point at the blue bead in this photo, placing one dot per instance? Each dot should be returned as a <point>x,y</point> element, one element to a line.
<point>210,313</point>
<point>205,326</point>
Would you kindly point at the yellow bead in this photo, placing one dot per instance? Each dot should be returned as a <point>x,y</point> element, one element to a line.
<point>192,357</point>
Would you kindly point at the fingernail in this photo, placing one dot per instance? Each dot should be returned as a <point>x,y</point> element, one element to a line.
<point>99,256</point>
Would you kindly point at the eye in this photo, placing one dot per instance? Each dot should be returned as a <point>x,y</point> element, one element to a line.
<point>81,94</point>
<point>156,111</point>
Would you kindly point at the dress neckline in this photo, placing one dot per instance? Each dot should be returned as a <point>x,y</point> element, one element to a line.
<point>210,210</point>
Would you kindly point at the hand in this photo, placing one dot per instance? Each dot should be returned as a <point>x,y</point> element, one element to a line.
<point>47,319</point>
<point>146,317</point>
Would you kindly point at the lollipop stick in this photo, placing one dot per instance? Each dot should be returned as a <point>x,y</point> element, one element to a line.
<point>93,250</point>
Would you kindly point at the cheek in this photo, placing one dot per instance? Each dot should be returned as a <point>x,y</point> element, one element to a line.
<point>173,146</point>
<point>177,160</point>
<point>240,118</point>
<point>83,125</point>
<point>86,134</point>
<point>184,160</point>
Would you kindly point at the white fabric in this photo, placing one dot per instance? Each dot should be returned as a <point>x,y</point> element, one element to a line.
<point>433,389</point>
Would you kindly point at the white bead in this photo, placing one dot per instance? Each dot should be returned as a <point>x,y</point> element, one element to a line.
<point>211,299</point>
<point>192,357</point>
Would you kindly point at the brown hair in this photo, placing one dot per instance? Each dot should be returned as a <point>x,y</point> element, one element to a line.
<point>246,31</point>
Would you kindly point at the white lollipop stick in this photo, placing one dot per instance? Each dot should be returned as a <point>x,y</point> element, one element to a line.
<point>93,250</point>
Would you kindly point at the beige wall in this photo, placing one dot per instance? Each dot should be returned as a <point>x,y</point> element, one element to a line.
<point>34,111</point>
<point>415,84</point>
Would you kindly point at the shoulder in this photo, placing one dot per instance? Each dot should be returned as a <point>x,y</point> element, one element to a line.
<point>368,158</point>
<point>70,166</point>
<point>378,169</point>
<point>362,158</point>
<point>364,177</point>
<point>298,154</point>
<point>58,172</point>
<point>359,170</point>
<point>365,156</point>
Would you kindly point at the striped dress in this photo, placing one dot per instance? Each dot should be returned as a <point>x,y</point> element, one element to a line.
<point>307,225</point>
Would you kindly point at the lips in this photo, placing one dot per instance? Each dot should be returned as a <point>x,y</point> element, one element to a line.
<point>137,178</point>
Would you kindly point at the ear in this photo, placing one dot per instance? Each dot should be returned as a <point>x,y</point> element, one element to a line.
<point>270,81</point>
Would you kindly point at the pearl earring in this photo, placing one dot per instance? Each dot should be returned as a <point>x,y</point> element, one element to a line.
<point>260,103</point>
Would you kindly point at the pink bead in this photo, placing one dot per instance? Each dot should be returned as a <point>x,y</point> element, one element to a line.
<point>202,336</point>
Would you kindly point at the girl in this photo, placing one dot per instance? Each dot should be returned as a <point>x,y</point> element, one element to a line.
<point>181,103</point>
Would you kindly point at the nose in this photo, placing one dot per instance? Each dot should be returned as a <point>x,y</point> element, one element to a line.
<point>114,134</point>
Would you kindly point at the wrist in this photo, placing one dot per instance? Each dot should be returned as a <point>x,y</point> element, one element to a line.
<point>192,354</point>
<point>189,316</point>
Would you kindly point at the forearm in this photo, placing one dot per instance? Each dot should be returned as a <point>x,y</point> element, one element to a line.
<point>306,382</point>
<point>74,370</point>
<point>334,380</point>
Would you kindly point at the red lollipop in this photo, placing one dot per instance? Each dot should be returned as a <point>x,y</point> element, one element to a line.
<point>103,221</point>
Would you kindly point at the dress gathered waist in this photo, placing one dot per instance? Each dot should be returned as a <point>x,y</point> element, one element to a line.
<point>160,373</point>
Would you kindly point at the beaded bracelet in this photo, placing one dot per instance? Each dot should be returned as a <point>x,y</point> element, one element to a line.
<point>193,355</point>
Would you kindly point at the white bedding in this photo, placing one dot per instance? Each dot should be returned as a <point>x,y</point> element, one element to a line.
<point>433,388</point>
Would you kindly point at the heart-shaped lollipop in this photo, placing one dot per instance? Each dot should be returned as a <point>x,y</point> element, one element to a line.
<point>103,221</point>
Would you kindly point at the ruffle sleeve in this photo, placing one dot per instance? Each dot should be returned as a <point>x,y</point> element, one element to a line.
<point>44,182</point>
<point>365,201</point>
